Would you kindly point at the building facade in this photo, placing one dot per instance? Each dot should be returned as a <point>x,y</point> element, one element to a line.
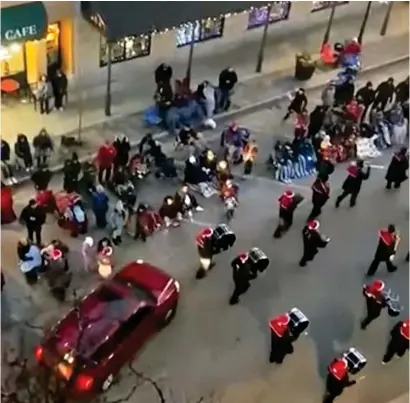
<point>38,37</point>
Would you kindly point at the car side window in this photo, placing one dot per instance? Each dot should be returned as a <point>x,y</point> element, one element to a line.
<point>121,334</point>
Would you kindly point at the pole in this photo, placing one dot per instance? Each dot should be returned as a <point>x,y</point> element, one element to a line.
<point>386,19</point>
<point>190,58</point>
<point>79,86</point>
<point>329,24</point>
<point>108,93</point>
<point>263,40</point>
<point>364,23</point>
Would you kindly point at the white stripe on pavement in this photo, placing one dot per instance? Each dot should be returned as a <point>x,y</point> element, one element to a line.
<point>272,181</point>
<point>377,166</point>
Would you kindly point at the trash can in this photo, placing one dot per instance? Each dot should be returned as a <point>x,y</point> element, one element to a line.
<point>305,66</point>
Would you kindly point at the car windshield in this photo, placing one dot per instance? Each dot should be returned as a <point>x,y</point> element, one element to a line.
<point>136,290</point>
<point>95,319</point>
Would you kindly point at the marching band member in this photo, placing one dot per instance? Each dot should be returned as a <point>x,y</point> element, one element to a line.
<point>375,301</point>
<point>386,250</point>
<point>396,172</point>
<point>337,379</point>
<point>356,174</point>
<point>312,241</point>
<point>205,251</point>
<point>399,341</point>
<point>249,153</point>
<point>288,203</point>
<point>320,195</point>
<point>281,338</point>
<point>241,277</point>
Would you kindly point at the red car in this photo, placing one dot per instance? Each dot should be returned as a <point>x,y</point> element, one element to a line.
<point>91,344</point>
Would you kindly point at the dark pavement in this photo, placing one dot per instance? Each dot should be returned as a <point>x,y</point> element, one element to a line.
<point>220,352</point>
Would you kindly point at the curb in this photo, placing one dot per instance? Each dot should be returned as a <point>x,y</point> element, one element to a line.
<point>241,111</point>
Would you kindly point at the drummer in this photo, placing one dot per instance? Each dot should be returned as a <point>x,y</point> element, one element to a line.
<point>375,301</point>
<point>241,277</point>
<point>259,262</point>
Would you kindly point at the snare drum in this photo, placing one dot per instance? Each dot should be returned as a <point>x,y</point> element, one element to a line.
<point>222,238</point>
<point>355,360</point>
<point>259,261</point>
<point>394,308</point>
<point>298,322</point>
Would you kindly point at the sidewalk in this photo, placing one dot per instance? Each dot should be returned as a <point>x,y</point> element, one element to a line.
<point>402,399</point>
<point>133,92</point>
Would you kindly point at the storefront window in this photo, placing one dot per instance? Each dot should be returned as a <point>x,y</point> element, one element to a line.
<point>12,60</point>
<point>279,12</point>
<point>53,45</point>
<point>200,30</point>
<point>323,5</point>
<point>127,48</point>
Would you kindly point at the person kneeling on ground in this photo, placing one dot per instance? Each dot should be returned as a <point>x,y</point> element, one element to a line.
<point>169,212</point>
<point>186,202</point>
<point>147,221</point>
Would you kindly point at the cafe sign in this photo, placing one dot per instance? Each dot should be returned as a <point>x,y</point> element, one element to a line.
<point>22,23</point>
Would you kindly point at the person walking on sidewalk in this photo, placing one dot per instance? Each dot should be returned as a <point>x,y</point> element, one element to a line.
<point>402,91</point>
<point>59,83</point>
<point>227,81</point>
<point>298,103</point>
<point>399,341</point>
<point>33,217</point>
<point>6,169</point>
<point>43,147</point>
<point>43,93</point>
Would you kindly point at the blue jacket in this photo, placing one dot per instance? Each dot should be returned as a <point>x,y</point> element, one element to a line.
<point>99,202</point>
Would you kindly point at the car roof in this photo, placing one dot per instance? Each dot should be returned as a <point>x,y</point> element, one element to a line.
<point>94,320</point>
<point>146,275</point>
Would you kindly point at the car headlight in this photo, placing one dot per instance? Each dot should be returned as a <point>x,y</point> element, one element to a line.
<point>177,286</point>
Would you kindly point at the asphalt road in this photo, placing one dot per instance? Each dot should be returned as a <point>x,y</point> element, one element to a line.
<point>219,352</point>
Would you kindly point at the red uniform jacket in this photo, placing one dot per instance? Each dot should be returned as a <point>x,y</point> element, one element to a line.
<point>280,324</point>
<point>404,329</point>
<point>105,156</point>
<point>338,368</point>
<point>352,48</point>
<point>321,190</point>
<point>355,110</point>
<point>386,237</point>
<point>203,237</point>
<point>286,200</point>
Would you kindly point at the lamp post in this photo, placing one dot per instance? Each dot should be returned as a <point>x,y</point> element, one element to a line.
<point>386,19</point>
<point>364,22</point>
<point>263,40</point>
<point>190,58</point>
<point>108,92</point>
<point>329,24</point>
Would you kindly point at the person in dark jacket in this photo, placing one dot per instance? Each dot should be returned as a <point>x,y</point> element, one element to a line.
<point>41,178</point>
<point>227,81</point>
<point>3,281</point>
<point>316,119</point>
<point>313,240</point>
<point>33,217</point>
<point>320,195</point>
<point>43,147</point>
<point>59,83</point>
<point>163,74</point>
<point>241,277</point>
<point>298,103</point>
<point>356,174</point>
<point>365,96</point>
<point>148,140</point>
<point>384,94</point>
<point>100,206</point>
<point>6,168</point>
<point>164,97</point>
<point>23,153</point>
<point>397,170</point>
<point>71,173</point>
<point>402,91</point>
<point>122,147</point>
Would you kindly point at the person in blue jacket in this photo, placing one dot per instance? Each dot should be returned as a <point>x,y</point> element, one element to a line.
<point>100,206</point>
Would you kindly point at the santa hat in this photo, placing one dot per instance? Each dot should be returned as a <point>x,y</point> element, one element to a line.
<point>313,225</point>
<point>375,287</point>
<point>107,251</point>
<point>289,193</point>
<point>243,256</point>
<point>339,368</point>
<point>56,254</point>
<point>207,232</point>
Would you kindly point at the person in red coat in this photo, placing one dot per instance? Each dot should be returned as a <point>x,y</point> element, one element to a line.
<point>337,379</point>
<point>7,212</point>
<point>105,161</point>
<point>281,338</point>
<point>288,202</point>
<point>375,301</point>
<point>353,48</point>
<point>399,341</point>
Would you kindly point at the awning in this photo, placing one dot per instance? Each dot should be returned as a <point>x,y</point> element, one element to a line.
<point>119,19</point>
<point>22,23</point>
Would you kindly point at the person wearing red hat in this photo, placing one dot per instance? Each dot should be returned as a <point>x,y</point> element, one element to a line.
<point>281,338</point>
<point>337,379</point>
<point>205,249</point>
<point>386,250</point>
<point>399,341</point>
<point>241,277</point>
<point>320,195</point>
<point>312,241</point>
<point>375,301</point>
<point>288,203</point>
<point>356,174</point>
